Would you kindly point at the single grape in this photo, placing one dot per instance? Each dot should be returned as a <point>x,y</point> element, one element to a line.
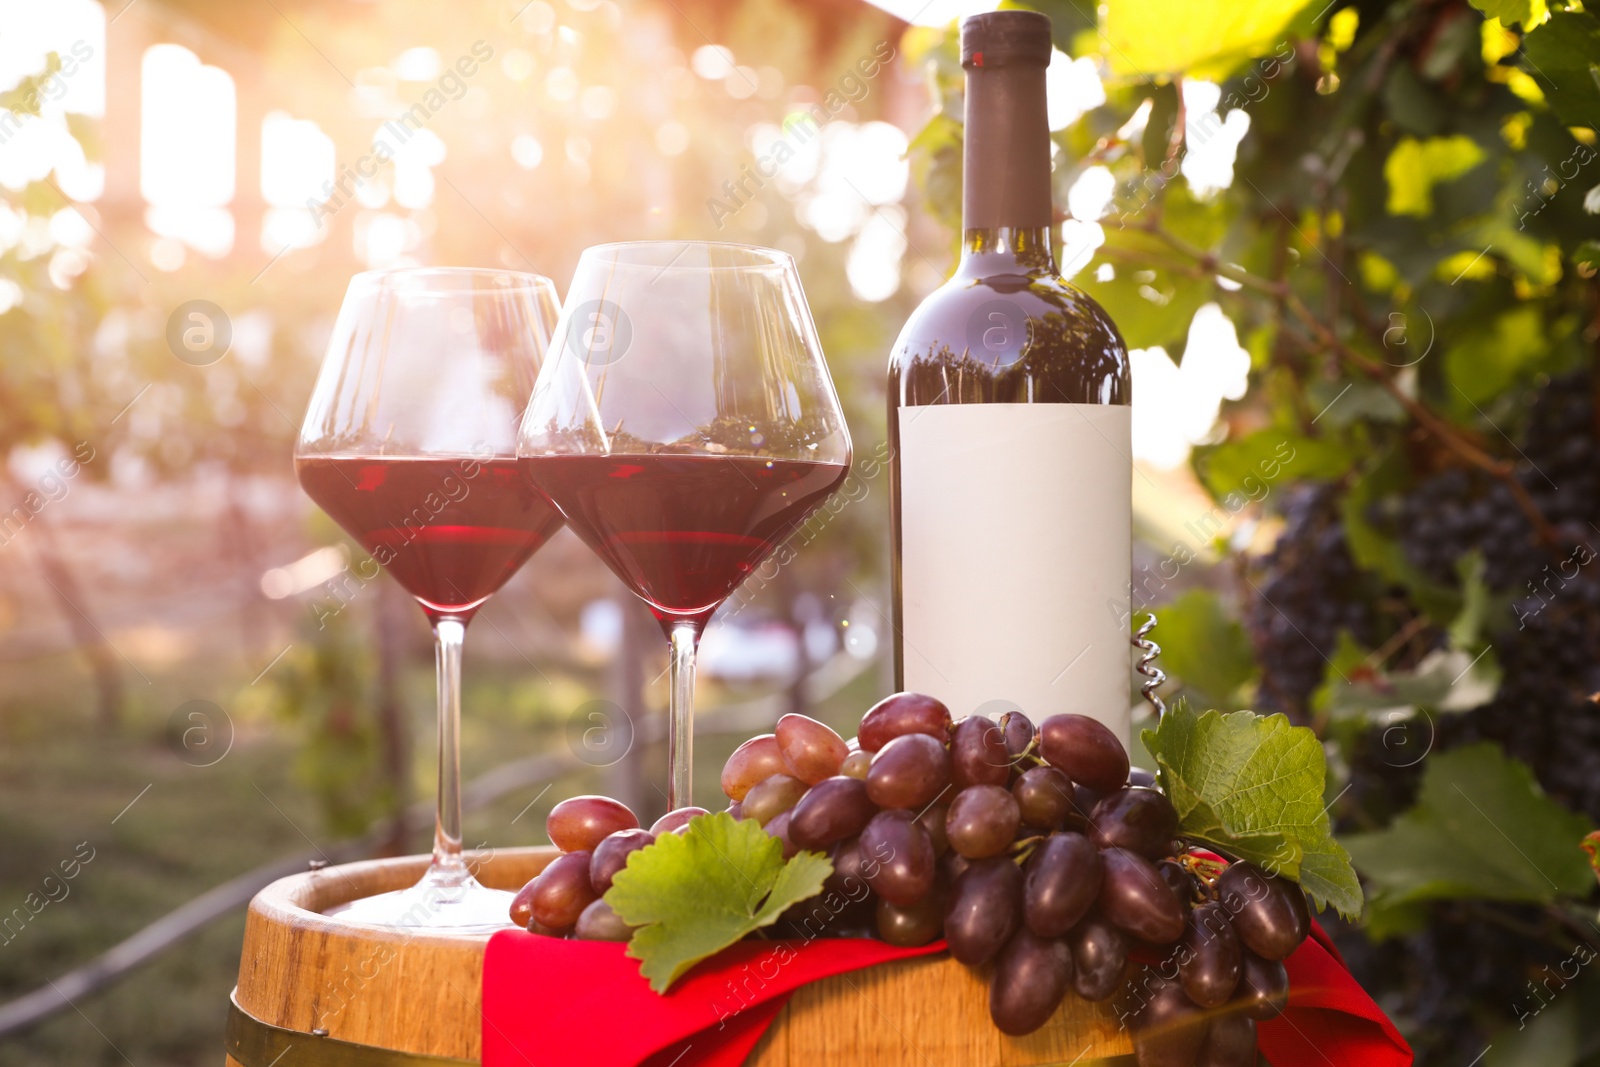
<point>1181,881</point>
<point>984,911</point>
<point>1169,1030</point>
<point>778,827</point>
<point>1213,959</point>
<point>834,809</point>
<point>909,772</point>
<point>754,761</point>
<point>856,765</point>
<point>773,795</point>
<point>1019,732</point>
<point>562,891</point>
<point>902,713</point>
<point>1083,801</point>
<point>1086,749</point>
<point>1231,1042</point>
<point>736,809</point>
<point>1099,958</point>
<point>982,821</point>
<point>903,857</point>
<point>1031,976</point>
<point>1062,882</point>
<point>599,923</point>
<point>932,820</point>
<point>978,753</point>
<point>1044,797</point>
<point>1138,900</point>
<point>849,877</point>
<point>1270,913</point>
<point>522,905</point>
<point>611,855</point>
<point>812,750</point>
<point>1263,987</point>
<point>911,925</point>
<point>578,824</point>
<point>1141,777</point>
<point>676,821</point>
<point>1139,820</point>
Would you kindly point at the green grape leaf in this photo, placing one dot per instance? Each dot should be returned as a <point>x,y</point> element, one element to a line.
<point>1199,38</point>
<point>1252,787</point>
<point>1528,12</point>
<point>1563,56</point>
<point>693,894</point>
<point>1203,646</point>
<point>1486,363</point>
<point>1151,306</point>
<point>1240,471</point>
<point>1481,828</point>
<point>1414,167</point>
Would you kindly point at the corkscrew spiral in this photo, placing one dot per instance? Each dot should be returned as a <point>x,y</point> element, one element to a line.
<point>1147,664</point>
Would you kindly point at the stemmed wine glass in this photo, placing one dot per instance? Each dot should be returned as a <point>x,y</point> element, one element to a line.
<point>409,444</point>
<point>685,424</point>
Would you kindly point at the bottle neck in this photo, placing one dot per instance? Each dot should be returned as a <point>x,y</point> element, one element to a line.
<point>987,253</point>
<point>1006,153</point>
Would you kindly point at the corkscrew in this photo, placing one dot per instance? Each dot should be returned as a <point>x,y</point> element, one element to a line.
<point>1147,664</point>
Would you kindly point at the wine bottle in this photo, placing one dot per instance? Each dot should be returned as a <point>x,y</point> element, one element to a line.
<point>1011,432</point>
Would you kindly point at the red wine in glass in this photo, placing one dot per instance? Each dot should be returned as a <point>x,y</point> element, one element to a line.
<point>450,531</point>
<point>682,531</point>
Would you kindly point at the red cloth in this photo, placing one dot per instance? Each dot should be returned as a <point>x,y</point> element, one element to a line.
<point>550,1003</point>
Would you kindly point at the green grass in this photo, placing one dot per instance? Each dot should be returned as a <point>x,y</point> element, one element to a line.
<point>63,780</point>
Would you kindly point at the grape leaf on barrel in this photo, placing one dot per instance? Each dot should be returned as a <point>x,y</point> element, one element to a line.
<point>1482,828</point>
<point>1252,787</point>
<point>693,894</point>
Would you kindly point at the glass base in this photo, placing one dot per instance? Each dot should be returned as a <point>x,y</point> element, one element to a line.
<point>462,906</point>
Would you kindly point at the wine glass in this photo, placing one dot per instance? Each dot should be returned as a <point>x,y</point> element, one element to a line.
<point>685,424</point>
<point>409,443</point>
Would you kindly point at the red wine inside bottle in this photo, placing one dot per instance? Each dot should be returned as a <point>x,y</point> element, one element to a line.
<point>1011,431</point>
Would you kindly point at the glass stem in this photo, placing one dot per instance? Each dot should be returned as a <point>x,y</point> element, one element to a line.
<point>448,868</point>
<point>682,638</point>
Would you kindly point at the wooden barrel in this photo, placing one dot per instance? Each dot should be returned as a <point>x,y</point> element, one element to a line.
<point>314,990</point>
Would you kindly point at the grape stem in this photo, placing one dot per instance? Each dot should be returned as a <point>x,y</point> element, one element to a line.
<point>1206,263</point>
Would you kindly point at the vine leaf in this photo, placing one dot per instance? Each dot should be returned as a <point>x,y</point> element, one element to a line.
<point>1252,787</point>
<point>1481,828</point>
<point>694,894</point>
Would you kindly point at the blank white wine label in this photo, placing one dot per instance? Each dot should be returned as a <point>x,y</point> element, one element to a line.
<point>1016,534</point>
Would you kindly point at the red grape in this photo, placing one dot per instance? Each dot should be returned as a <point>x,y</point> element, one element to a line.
<point>677,820</point>
<point>1139,820</point>
<point>754,761</point>
<point>908,772</point>
<point>578,824</point>
<point>856,765</point>
<point>982,821</point>
<point>978,753</point>
<point>812,750</point>
<point>913,924</point>
<point>1062,883</point>
<point>1169,1029</point>
<point>773,795</point>
<point>599,923</point>
<point>1270,913</point>
<point>902,713</point>
<point>562,891</point>
<point>1019,732</point>
<point>1044,797</point>
<point>1212,959</point>
<point>1263,987</point>
<point>611,855</point>
<point>778,827</point>
<point>984,911</point>
<point>1099,958</point>
<point>1086,749</point>
<point>834,809</point>
<point>1137,900</point>
<point>1031,976</point>
<point>1230,1043</point>
<point>933,821</point>
<point>522,905</point>
<point>901,855</point>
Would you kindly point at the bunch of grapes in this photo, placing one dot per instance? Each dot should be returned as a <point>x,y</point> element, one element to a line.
<point>1308,589</point>
<point>1459,511</point>
<point>1037,852</point>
